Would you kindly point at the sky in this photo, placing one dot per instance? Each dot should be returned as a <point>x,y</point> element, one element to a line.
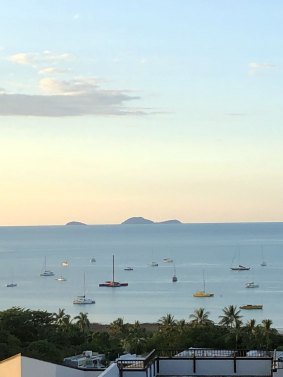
<point>157,108</point>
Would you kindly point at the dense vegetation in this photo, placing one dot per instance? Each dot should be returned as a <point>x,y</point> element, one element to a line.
<point>53,336</point>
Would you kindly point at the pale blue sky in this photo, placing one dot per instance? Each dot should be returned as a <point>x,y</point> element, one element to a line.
<point>163,109</point>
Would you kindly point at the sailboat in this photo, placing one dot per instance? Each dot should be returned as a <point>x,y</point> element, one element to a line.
<point>174,277</point>
<point>12,284</point>
<point>61,277</point>
<point>263,263</point>
<point>203,293</point>
<point>112,283</point>
<point>239,267</point>
<point>45,271</point>
<point>82,300</point>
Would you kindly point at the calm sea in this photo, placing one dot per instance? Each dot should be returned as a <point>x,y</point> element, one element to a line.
<point>197,250</point>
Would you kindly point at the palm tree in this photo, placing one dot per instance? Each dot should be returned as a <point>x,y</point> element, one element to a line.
<point>82,322</point>
<point>167,323</point>
<point>251,329</point>
<point>61,318</point>
<point>200,318</point>
<point>231,317</point>
<point>232,320</point>
<point>267,331</point>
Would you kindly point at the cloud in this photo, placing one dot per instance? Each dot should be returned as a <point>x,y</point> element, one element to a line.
<point>51,71</point>
<point>254,65</point>
<point>36,58</point>
<point>256,68</point>
<point>69,98</point>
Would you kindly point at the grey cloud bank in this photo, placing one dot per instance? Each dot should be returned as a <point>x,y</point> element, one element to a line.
<point>99,103</point>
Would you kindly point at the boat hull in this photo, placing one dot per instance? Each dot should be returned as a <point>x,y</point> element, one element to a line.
<point>251,307</point>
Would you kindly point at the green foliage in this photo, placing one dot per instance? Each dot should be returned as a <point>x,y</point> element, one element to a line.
<point>53,336</point>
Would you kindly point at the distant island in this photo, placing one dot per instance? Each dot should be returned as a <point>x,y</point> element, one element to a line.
<point>142,220</point>
<point>75,223</point>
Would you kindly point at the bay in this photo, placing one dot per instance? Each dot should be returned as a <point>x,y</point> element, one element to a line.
<point>195,249</point>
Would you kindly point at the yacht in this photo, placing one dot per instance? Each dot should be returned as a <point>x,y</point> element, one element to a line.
<point>154,264</point>
<point>240,268</point>
<point>46,272</point>
<point>82,300</point>
<point>112,283</point>
<point>203,293</point>
<point>128,268</point>
<point>168,260</point>
<point>11,285</point>
<point>65,263</point>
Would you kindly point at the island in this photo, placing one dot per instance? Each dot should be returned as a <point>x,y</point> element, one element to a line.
<point>137,220</point>
<point>75,223</point>
<point>142,220</point>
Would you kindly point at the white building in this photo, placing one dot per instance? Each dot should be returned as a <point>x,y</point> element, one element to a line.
<point>189,363</point>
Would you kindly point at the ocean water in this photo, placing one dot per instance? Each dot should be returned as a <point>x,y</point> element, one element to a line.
<point>196,249</point>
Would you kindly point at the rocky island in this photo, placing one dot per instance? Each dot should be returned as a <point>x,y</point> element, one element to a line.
<point>142,220</point>
<point>75,223</point>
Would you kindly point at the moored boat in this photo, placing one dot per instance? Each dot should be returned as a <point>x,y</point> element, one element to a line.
<point>112,283</point>
<point>240,268</point>
<point>203,293</point>
<point>251,307</point>
<point>82,300</point>
<point>251,284</point>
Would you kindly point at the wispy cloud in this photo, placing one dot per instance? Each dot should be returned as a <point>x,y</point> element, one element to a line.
<point>35,59</point>
<point>52,71</point>
<point>255,67</point>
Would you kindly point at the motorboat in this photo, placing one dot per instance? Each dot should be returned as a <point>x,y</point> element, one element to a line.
<point>240,268</point>
<point>128,268</point>
<point>251,284</point>
<point>82,300</point>
<point>251,307</point>
<point>46,272</point>
<point>11,285</point>
<point>61,278</point>
<point>65,263</point>
<point>92,260</point>
<point>112,283</point>
<point>168,260</point>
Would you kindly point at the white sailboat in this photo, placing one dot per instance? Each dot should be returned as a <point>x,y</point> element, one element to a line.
<point>82,300</point>
<point>46,272</point>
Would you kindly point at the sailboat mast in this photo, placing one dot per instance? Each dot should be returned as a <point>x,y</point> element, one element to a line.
<point>203,281</point>
<point>113,268</point>
<point>84,284</point>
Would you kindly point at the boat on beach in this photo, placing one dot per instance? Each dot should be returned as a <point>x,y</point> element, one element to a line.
<point>251,307</point>
<point>112,283</point>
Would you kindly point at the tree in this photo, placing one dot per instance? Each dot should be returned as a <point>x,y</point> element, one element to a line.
<point>62,319</point>
<point>231,317</point>
<point>200,318</point>
<point>82,322</point>
<point>167,323</point>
